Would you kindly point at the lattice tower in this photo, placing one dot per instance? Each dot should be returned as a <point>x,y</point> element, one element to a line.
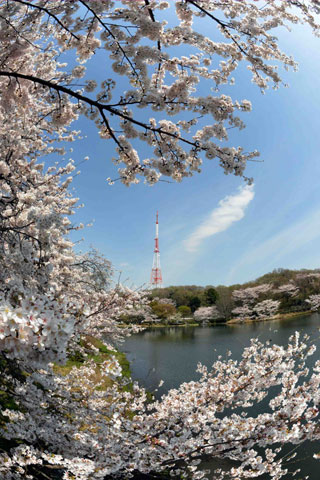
<point>156,274</point>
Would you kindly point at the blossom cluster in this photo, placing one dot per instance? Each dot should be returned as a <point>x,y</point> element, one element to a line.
<point>266,300</point>
<point>203,314</point>
<point>314,302</point>
<point>249,305</point>
<point>37,325</point>
<point>92,429</point>
<point>138,43</point>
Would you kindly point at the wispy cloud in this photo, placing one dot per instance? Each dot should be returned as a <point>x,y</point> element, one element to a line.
<point>124,264</point>
<point>288,247</point>
<point>230,209</point>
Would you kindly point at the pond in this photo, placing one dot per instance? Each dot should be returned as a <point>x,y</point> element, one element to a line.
<point>171,354</point>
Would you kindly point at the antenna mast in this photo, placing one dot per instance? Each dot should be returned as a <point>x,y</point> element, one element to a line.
<point>156,275</point>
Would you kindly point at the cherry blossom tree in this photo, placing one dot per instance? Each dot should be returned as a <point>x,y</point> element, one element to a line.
<point>251,294</point>
<point>303,276</point>
<point>242,312</point>
<point>92,423</point>
<point>47,292</point>
<point>289,289</point>
<point>137,39</point>
<point>203,314</point>
<point>92,433</point>
<point>266,308</point>
<point>314,302</point>
<point>249,306</point>
<point>165,301</point>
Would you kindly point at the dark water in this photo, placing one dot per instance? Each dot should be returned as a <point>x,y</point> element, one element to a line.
<point>171,354</point>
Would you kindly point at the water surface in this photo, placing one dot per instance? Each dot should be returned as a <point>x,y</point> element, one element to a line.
<point>171,354</point>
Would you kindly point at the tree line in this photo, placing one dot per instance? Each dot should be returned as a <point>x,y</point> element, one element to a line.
<point>290,288</point>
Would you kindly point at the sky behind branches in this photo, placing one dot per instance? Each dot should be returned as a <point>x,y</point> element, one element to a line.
<point>213,229</point>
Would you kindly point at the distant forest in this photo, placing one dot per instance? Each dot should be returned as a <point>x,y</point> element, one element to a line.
<point>290,288</point>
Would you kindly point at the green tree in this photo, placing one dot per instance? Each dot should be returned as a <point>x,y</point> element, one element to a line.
<point>210,296</point>
<point>194,303</point>
<point>185,311</point>
<point>225,303</point>
<point>163,310</point>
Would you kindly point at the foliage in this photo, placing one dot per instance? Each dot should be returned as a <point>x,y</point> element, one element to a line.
<point>194,303</point>
<point>184,310</point>
<point>163,310</point>
<point>181,295</point>
<point>225,303</point>
<point>211,296</point>
<point>291,288</point>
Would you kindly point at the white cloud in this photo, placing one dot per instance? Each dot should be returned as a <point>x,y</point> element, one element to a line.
<point>124,266</point>
<point>285,248</point>
<point>231,209</point>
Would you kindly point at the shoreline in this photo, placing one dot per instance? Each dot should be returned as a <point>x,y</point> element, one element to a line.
<point>233,321</point>
<point>163,325</point>
<point>279,316</point>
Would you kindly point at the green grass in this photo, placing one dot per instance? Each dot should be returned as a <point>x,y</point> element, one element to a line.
<point>76,359</point>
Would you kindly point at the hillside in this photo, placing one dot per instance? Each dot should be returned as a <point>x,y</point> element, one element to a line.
<point>291,290</point>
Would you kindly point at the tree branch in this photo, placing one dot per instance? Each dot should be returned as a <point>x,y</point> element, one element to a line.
<point>45,10</point>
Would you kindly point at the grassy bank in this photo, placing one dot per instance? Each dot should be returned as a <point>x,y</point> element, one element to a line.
<point>99,356</point>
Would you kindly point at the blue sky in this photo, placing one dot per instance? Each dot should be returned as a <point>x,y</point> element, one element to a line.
<point>213,229</point>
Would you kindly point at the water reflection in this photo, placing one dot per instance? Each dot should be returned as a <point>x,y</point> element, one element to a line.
<point>169,334</point>
<point>172,353</point>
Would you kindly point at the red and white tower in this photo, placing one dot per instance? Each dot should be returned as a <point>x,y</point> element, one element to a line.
<point>156,275</point>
